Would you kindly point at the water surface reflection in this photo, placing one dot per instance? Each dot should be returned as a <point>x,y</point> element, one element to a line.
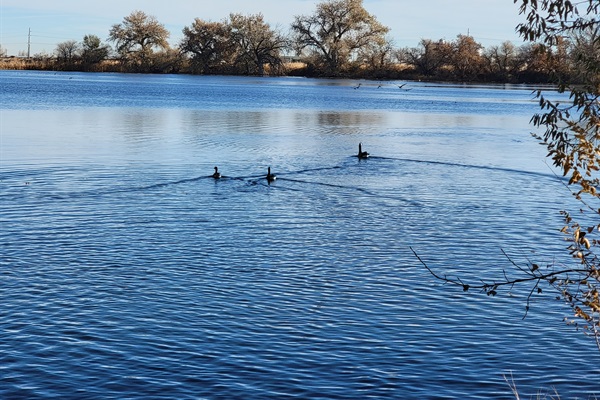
<point>128,271</point>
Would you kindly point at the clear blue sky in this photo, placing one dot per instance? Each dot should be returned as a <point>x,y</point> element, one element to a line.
<point>53,21</point>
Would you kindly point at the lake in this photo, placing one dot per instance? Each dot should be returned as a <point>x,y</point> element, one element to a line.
<point>129,272</point>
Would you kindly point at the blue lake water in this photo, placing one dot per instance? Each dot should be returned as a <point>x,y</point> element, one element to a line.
<point>128,272</point>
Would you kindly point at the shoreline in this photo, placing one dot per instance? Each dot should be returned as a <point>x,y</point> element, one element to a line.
<point>291,69</point>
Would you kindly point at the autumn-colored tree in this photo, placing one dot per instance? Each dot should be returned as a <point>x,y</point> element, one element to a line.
<point>572,137</point>
<point>209,45</point>
<point>137,37</point>
<point>256,44</point>
<point>465,58</point>
<point>535,61</point>
<point>337,30</point>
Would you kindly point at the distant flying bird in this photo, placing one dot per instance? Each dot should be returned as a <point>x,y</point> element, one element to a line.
<point>402,86</point>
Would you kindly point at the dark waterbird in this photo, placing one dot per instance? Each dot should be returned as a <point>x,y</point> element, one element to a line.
<point>217,174</point>
<point>270,177</point>
<point>362,154</point>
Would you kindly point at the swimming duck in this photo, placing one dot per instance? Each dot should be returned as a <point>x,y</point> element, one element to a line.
<point>270,177</point>
<point>362,154</point>
<point>217,174</point>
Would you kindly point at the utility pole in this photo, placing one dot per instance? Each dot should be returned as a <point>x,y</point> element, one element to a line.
<point>29,44</point>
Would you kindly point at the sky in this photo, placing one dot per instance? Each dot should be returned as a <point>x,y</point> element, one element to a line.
<point>490,22</point>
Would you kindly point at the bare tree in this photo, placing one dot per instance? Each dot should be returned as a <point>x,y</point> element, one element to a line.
<point>584,54</point>
<point>503,60</point>
<point>209,45</point>
<point>256,43</point>
<point>137,37</point>
<point>377,55</point>
<point>429,57</point>
<point>67,52</point>
<point>336,31</point>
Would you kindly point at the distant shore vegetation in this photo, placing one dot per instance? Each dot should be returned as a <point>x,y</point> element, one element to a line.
<point>340,39</point>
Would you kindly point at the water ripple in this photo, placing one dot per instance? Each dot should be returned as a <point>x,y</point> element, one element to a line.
<point>128,272</point>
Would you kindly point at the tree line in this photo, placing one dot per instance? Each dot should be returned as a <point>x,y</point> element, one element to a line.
<point>339,39</point>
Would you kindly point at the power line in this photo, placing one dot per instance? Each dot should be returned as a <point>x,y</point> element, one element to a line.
<point>36,34</point>
<point>49,37</point>
<point>11,36</point>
